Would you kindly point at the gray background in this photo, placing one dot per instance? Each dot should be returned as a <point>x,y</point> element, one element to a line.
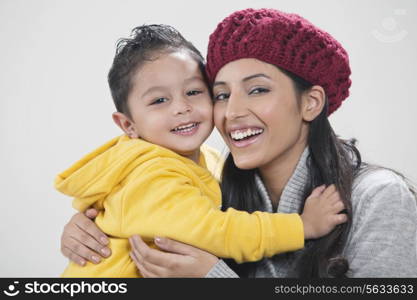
<point>56,107</point>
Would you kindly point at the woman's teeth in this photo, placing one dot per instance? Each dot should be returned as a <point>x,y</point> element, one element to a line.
<point>185,128</point>
<point>242,134</point>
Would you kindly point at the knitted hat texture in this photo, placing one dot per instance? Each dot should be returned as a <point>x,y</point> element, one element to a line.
<point>284,40</point>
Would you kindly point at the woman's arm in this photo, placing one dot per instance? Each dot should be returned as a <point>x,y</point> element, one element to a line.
<point>178,260</point>
<point>82,240</point>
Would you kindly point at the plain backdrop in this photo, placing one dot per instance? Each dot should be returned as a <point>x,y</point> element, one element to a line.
<point>56,106</point>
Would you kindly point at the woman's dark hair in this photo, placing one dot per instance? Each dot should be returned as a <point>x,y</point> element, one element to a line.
<point>145,44</point>
<point>331,161</point>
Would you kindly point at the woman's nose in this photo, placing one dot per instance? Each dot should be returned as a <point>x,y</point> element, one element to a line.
<point>235,107</point>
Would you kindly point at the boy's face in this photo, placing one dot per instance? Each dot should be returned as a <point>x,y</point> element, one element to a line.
<point>170,104</point>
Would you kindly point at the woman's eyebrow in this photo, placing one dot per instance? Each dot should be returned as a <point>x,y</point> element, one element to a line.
<point>255,76</point>
<point>244,79</point>
<point>219,83</point>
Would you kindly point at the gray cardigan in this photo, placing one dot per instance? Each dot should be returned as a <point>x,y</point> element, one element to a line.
<point>382,241</point>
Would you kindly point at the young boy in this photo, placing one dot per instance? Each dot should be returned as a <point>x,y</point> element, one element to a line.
<point>153,181</point>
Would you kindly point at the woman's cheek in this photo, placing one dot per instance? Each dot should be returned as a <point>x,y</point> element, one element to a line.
<point>218,114</point>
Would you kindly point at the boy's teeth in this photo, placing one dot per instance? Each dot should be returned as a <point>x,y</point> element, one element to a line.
<point>187,127</point>
<point>239,134</point>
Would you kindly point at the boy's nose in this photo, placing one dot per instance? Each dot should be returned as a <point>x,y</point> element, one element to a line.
<point>182,106</point>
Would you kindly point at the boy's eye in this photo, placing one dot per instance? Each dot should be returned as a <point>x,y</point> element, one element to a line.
<point>194,93</point>
<point>159,100</point>
<point>258,90</point>
<point>221,97</point>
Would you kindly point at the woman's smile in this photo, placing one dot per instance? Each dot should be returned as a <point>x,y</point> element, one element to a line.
<point>244,136</point>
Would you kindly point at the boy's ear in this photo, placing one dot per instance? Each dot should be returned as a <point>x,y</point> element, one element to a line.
<point>313,103</point>
<point>125,124</point>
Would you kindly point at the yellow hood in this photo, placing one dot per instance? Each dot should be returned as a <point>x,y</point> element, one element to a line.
<point>93,177</point>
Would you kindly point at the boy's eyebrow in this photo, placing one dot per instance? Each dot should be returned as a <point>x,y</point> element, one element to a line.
<point>194,78</point>
<point>244,79</point>
<point>152,89</point>
<point>161,88</point>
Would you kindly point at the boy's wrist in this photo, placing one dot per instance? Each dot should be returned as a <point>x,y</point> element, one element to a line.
<point>307,228</point>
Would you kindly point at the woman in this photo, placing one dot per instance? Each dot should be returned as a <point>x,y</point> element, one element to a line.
<point>276,78</point>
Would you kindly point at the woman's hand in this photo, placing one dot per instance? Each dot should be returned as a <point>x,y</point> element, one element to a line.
<point>82,240</point>
<point>179,260</point>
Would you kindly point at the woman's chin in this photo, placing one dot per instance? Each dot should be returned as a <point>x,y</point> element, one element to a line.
<point>246,163</point>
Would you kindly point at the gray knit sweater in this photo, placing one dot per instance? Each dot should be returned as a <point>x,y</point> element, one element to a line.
<point>382,241</point>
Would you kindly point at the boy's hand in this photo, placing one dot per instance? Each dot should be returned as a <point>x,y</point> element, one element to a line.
<point>321,212</point>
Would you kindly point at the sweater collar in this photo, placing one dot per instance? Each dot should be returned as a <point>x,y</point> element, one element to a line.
<point>292,196</point>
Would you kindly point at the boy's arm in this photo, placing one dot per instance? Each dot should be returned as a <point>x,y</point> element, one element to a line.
<point>164,202</point>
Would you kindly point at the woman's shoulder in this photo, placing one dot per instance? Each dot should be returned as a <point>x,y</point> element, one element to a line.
<point>382,237</point>
<point>380,186</point>
<point>375,177</point>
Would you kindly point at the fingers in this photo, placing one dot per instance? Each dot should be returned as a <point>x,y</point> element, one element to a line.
<point>329,191</point>
<point>152,256</point>
<point>334,198</point>
<point>84,236</point>
<point>331,199</point>
<point>141,249</point>
<point>317,191</point>
<point>87,225</point>
<point>175,246</point>
<point>335,202</point>
<point>73,257</point>
<point>147,269</point>
<point>139,265</point>
<point>91,213</point>
<point>79,250</point>
<point>150,262</point>
<point>95,248</point>
<point>338,207</point>
<point>339,219</point>
<point>78,244</point>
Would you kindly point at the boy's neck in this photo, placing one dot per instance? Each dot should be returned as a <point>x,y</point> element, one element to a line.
<point>194,156</point>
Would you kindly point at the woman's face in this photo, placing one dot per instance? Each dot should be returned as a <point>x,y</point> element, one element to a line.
<point>257,112</point>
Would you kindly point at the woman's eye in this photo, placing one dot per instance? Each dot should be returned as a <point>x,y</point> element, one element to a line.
<point>194,93</point>
<point>159,100</point>
<point>221,97</point>
<point>258,90</point>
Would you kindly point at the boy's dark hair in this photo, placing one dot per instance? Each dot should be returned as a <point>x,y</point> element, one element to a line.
<point>141,47</point>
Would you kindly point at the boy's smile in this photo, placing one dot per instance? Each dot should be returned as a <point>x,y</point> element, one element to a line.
<point>186,129</point>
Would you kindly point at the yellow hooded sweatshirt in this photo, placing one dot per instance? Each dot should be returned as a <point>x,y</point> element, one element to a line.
<point>142,188</point>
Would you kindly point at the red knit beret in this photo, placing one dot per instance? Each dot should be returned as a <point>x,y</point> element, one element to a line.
<point>284,40</point>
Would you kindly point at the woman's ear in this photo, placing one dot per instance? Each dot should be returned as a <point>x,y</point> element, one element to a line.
<point>125,124</point>
<point>313,102</point>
